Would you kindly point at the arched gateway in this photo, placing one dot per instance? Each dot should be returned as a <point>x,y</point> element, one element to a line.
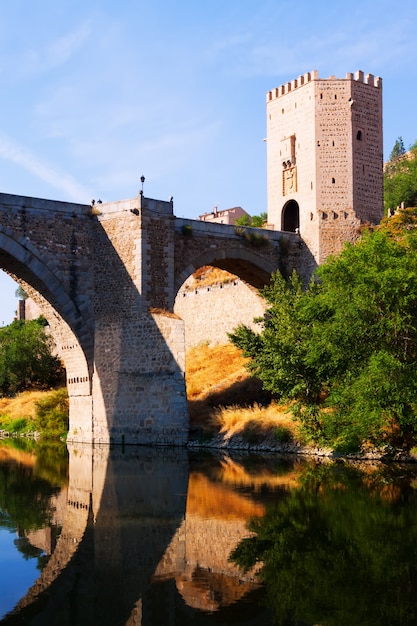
<point>290,216</point>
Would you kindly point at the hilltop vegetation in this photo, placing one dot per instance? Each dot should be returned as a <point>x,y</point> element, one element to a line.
<point>400,178</point>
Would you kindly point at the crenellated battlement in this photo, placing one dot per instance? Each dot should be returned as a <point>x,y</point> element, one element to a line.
<point>303,79</point>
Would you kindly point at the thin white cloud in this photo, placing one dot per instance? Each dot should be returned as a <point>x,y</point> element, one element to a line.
<point>357,41</point>
<point>64,47</point>
<point>12,152</point>
<point>57,52</point>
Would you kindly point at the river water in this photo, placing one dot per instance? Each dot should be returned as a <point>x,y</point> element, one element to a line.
<point>160,536</point>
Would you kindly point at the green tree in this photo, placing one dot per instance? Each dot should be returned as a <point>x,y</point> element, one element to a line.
<point>244,220</point>
<point>400,179</point>
<point>280,348</point>
<point>257,221</point>
<point>398,149</point>
<point>26,357</point>
<point>346,348</point>
<point>20,293</point>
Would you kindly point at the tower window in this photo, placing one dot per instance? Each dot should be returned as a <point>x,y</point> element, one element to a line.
<point>321,96</point>
<point>333,181</point>
<point>359,135</point>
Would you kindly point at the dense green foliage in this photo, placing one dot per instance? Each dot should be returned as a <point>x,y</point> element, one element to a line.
<point>257,221</point>
<point>338,551</point>
<point>26,358</point>
<point>345,349</point>
<point>400,179</point>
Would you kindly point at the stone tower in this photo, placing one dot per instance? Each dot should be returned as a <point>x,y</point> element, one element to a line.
<point>324,158</point>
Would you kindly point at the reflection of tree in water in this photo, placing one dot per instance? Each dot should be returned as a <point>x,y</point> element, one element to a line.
<point>26,488</point>
<point>340,550</point>
<point>29,551</point>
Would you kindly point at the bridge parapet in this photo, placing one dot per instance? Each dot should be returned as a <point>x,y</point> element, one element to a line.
<point>251,253</point>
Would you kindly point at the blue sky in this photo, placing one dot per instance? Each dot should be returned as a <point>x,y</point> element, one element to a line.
<point>96,93</point>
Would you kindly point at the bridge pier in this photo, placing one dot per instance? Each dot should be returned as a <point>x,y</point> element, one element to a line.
<point>138,387</point>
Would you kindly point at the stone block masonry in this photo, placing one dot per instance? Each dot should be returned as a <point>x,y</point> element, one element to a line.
<point>209,313</point>
<point>325,136</point>
<point>139,389</point>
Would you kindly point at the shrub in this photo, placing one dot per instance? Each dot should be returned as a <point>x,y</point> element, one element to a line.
<point>187,230</point>
<point>52,415</point>
<point>283,434</point>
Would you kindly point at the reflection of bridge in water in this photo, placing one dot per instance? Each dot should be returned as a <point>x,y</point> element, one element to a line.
<point>143,542</point>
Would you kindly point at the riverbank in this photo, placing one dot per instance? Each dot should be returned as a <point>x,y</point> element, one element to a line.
<point>228,411</point>
<point>386,454</point>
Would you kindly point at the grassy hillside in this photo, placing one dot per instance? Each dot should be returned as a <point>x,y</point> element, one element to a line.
<point>223,398</point>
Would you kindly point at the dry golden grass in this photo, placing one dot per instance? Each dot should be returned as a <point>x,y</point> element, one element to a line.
<point>163,312</point>
<point>213,367</point>
<point>256,422</point>
<point>22,405</point>
<point>207,275</point>
<point>223,397</point>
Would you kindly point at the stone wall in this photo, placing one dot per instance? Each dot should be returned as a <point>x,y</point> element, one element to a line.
<point>209,313</point>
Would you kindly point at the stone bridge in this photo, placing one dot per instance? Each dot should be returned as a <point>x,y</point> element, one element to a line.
<point>105,277</point>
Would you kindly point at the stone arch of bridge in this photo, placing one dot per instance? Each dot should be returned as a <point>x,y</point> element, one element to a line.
<point>252,268</point>
<point>67,324</point>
